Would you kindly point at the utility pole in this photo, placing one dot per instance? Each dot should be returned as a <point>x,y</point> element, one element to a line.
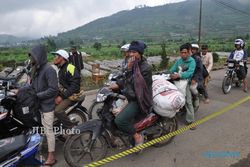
<point>199,37</point>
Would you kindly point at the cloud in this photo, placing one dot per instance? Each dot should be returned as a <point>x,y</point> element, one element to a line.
<point>244,1</point>
<point>45,17</point>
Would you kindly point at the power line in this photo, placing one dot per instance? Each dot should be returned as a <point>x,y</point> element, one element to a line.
<point>229,6</point>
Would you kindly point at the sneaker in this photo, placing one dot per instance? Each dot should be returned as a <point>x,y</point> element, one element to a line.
<point>245,90</point>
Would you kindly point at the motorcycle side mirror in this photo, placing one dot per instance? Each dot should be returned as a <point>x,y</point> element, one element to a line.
<point>27,62</point>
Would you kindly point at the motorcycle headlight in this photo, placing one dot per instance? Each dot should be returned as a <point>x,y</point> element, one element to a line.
<point>110,77</point>
<point>101,97</point>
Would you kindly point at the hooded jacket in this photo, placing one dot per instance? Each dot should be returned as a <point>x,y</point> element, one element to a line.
<point>45,80</point>
<point>127,83</point>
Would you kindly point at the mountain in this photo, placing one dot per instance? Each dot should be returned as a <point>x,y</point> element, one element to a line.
<point>220,18</point>
<point>7,40</point>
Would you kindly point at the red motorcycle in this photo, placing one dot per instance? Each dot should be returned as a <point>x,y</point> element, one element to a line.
<point>97,135</point>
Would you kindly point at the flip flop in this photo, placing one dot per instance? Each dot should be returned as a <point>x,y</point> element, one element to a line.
<point>140,143</point>
<point>50,164</point>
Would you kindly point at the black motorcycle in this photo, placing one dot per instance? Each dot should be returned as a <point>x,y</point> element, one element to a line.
<point>12,125</point>
<point>97,135</point>
<point>231,78</point>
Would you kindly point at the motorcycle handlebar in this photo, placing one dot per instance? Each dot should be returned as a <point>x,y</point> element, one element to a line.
<point>119,96</point>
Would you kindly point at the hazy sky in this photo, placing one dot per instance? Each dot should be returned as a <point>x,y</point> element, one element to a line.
<point>38,18</point>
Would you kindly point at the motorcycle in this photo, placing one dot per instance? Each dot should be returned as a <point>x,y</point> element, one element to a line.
<point>18,145</point>
<point>231,78</point>
<point>18,76</point>
<point>97,135</point>
<point>114,76</point>
<point>20,150</point>
<point>12,125</point>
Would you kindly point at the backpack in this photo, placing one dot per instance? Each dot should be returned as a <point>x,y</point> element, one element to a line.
<point>26,108</point>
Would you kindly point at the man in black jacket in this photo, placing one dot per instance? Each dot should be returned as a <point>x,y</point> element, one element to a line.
<point>44,81</point>
<point>69,80</point>
<point>75,58</point>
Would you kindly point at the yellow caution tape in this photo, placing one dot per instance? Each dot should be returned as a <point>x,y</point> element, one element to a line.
<point>160,139</point>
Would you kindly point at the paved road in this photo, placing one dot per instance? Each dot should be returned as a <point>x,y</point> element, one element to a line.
<point>226,133</point>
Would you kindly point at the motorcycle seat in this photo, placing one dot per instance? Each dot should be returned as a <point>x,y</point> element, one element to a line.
<point>81,99</point>
<point>11,146</point>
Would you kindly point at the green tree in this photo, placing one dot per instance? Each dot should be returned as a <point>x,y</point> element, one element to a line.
<point>97,45</point>
<point>247,37</point>
<point>215,57</point>
<point>164,57</point>
<point>50,44</point>
<point>71,42</point>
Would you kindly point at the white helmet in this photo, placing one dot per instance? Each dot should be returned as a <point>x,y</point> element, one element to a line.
<point>125,47</point>
<point>239,42</point>
<point>195,46</point>
<point>62,53</point>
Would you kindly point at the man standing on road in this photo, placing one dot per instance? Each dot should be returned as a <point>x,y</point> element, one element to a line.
<point>207,60</point>
<point>75,58</point>
<point>44,81</point>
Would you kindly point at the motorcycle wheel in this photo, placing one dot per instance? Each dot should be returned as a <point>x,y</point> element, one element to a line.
<point>226,84</point>
<point>82,149</point>
<point>94,107</point>
<point>168,125</point>
<point>77,116</point>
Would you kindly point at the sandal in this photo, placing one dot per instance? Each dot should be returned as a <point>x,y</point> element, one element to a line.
<point>50,164</point>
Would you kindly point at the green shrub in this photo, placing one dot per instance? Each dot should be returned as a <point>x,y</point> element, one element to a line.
<point>215,57</point>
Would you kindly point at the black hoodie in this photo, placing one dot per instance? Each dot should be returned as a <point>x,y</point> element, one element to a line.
<point>45,80</point>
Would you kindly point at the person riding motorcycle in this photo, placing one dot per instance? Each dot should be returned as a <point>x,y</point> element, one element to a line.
<point>69,84</point>
<point>124,49</point>
<point>125,119</point>
<point>240,55</point>
<point>188,63</point>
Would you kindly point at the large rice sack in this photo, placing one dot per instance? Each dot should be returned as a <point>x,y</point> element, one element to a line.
<point>167,99</point>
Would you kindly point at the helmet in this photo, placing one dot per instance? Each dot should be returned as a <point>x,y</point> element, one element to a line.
<point>62,53</point>
<point>239,42</point>
<point>125,47</point>
<point>195,46</point>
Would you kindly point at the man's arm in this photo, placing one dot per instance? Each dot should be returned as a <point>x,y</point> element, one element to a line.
<point>52,81</point>
<point>210,62</point>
